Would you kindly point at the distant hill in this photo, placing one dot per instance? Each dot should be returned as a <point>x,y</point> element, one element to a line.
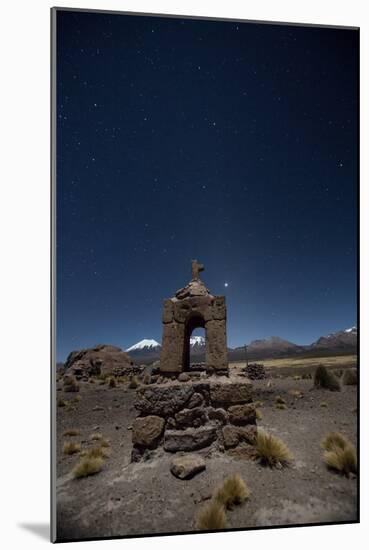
<point>337,343</point>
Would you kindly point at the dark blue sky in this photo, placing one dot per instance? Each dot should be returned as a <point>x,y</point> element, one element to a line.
<point>233,143</point>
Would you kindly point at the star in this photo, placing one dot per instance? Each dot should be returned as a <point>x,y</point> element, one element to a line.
<point>226,285</point>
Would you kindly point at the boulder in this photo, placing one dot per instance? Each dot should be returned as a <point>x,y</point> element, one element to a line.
<point>187,466</point>
<point>190,439</point>
<point>183,377</point>
<point>233,435</point>
<point>242,415</point>
<point>163,399</point>
<point>147,431</point>
<point>230,393</point>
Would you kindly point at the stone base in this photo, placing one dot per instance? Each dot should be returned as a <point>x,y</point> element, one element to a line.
<point>192,415</point>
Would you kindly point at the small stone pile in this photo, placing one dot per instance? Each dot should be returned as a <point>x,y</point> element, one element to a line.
<point>255,371</point>
<point>193,415</point>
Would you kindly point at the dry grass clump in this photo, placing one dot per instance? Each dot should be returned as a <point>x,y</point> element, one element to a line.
<point>350,377</point>
<point>297,377</point>
<point>258,404</point>
<point>71,432</point>
<point>211,517</point>
<point>280,400</point>
<point>325,379</point>
<point>271,451</point>
<point>339,453</point>
<point>76,399</point>
<point>258,414</point>
<point>112,382</point>
<point>88,466</point>
<point>133,383</point>
<point>324,404</point>
<point>281,406</point>
<point>71,448</point>
<point>97,452</point>
<point>61,402</point>
<point>233,491</point>
<point>70,384</point>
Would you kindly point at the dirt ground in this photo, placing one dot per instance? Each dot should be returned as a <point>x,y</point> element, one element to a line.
<point>142,498</point>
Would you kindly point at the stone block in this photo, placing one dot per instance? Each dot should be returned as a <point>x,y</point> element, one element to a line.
<point>242,415</point>
<point>233,435</point>
<point>191,417</point>
<point>147,431</point>
<point>225,394</point>
<point>167,311</point>
<point>190,439</point>
<point>164,399</point>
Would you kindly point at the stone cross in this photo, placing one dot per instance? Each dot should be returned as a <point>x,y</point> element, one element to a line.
<point>196,269</point>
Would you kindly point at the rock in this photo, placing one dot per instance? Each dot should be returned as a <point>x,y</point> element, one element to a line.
<point>196,401</point>
<point>233,435</point>
<point>191,417</point>
<point>230,393</point>
<point>147,431</point>
<point>242,415</point>
<point>220,416</point>
<point>102,359</point>
<point>183,377</point>
<point>163,400</point>
<point>187,466</point>
<point>190,439</point>
<point>98,408</point>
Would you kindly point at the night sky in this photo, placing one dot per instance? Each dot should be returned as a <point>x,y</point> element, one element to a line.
<point>233,143</point>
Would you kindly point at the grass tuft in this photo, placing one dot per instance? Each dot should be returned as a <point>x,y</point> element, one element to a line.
<point>95,436</point>
<point>71,448</point>
<point>339,453</point>
<point>88,466</point>
<point>325,379</point>
<point>71,432</point>
<point>271,451</point>
<point>324,404</point>
<point>350,377</point>
<point>281,406</point>
<point>233,491</point>
<point>211,517</point>
<point>258,414</point>
<point>112,382</point>
<point>280,400</point>
<point>133,383</point>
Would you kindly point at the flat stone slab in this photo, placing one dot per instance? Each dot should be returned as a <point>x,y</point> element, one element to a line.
<point>187,466</point>
<point>226,393</point>
<point>190,439</point>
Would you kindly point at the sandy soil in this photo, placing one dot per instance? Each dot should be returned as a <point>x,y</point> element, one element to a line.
<point>134,499</point>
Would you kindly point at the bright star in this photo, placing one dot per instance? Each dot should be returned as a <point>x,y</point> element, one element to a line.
<point>226,284</point>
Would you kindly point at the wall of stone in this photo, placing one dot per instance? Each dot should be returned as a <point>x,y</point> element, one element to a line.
<point>193,415</point>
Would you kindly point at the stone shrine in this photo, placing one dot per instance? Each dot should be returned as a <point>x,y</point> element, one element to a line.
<point>194,307</point>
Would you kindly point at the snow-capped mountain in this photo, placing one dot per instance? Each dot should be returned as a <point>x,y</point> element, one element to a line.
<point>197,341</point>
<point>342,340</point>
<point>146,343</point>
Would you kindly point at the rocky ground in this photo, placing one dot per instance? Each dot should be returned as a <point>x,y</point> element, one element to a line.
<point>142,498</point>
